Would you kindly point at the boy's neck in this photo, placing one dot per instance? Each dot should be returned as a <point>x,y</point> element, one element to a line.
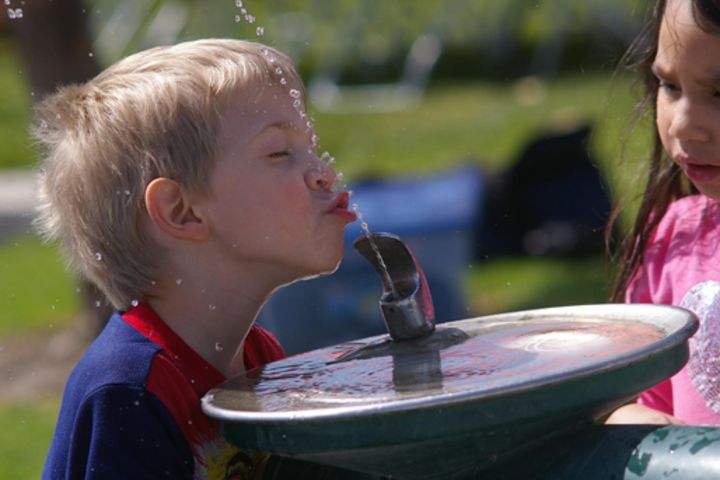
<point>212,319</point>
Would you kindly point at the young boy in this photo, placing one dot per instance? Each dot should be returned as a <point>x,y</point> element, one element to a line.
<point>183,181</point>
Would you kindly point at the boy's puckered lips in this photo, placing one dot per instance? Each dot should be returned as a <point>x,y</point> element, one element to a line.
<point>340,206</point>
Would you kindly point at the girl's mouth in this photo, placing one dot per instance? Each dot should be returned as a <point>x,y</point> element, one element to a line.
<point>701,173</point>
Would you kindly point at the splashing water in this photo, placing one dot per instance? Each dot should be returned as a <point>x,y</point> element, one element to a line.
<point>376,250</point>
<point>297,103</point>
<point>14,13</point>
<point>259,31</point>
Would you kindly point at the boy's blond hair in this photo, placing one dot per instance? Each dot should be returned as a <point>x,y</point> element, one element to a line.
<point>154,114</point>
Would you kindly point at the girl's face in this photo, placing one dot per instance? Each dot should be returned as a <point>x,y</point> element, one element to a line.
<point>687,66</point>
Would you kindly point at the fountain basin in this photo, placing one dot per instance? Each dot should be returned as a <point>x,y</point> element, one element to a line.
<point>475,394</point>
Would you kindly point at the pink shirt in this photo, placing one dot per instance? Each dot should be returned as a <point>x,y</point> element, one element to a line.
<point>682,267</point>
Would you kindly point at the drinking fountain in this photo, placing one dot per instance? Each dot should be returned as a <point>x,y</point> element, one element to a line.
<point>513,395</point>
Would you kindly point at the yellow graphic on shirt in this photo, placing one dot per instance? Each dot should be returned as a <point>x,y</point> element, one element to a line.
<point>219,460</point>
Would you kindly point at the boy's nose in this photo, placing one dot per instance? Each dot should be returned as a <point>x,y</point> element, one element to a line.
<point>320,176</point>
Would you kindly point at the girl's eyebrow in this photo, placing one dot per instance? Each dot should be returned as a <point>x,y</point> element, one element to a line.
<point>710,77</point>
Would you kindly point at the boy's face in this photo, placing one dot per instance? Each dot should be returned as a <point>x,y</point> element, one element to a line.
<point>271,205</point>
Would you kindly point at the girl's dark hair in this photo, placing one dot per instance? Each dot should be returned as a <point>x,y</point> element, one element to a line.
<point>665,182</point>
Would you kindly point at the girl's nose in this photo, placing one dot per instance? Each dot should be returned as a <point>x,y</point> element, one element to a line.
<point>320,176</point>
<point>687,122</point>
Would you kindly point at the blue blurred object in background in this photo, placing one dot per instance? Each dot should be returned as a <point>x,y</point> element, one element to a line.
<point>434,215</point>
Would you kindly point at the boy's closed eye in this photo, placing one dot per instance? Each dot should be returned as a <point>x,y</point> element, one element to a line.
<point>280,154</point>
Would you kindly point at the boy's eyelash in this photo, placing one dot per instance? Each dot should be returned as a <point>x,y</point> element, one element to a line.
<point>282,153</point>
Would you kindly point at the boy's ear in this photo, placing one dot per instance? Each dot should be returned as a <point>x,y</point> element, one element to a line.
<point>170,208</point>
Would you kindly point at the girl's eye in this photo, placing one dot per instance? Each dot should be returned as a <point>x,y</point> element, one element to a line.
<point>663,85</point>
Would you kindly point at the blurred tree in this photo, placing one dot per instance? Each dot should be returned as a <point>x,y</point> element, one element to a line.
<point>55,46</point>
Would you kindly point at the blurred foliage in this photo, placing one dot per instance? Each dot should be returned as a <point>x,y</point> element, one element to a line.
<point>366,40</point>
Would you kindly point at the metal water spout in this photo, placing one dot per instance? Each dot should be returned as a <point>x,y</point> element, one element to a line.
<point>406,304</point>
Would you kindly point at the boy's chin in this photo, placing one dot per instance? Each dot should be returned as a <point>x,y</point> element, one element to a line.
<point>322,271</point>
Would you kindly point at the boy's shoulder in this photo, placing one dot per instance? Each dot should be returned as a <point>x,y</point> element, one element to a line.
<point>108,415</point>
<point>120,355</point>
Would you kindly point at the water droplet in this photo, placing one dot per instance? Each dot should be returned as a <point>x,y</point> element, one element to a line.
<point>212,307</point>
<point>297,103</point>
<point>14,13</point>
<point>249,19</point>
<point>91,54</point>
<point>136,403</point>
<point>238,3</point>
<point>283,81</point>
<point>77,290</point>
<point>278,70</point>
<point>97,303</point>
<point>7,2</point>
<point>127,192</point>
<point>238,18</point>
<point>243,10</point>
<point>178,281</point>
<point>260,31</point>
<point>189,422</point>
<point>219,347</point>
<point>98,256</point>
<point>43,124</point>
<point>294,93</point>
<point>134,303</point>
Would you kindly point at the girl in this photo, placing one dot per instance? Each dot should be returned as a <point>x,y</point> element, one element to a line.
<point>673,256</point>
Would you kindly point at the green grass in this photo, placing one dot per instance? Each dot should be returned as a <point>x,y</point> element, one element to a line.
<point>512,284</point>
<point>25,438</point>
<point>35,290</point>
<point>14,111</point>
